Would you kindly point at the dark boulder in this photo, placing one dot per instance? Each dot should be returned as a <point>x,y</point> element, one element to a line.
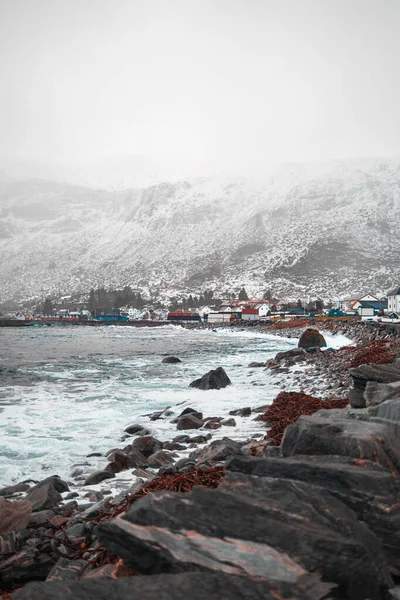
<point>14,515</point>
<point>228,422</point>
<point>219,450</point>
<point>298,520</point>
<point>312,435</point>
<point>187,411</point>
<point>255,364</point>
<point>171,360</point>
<point>376,393</point>
<point>10,490</point>
<point>147,445</point>
<point>294,352</point>
<point>132,429</point>
<point>213,380</point>
<point>190,421</point>
<point>160,459</point>
<point>370,491</point>
<point>179,586</point>
<point>44,495</point>
<point>241,412</point>
<point>99,476</point>
<point>311,338</point>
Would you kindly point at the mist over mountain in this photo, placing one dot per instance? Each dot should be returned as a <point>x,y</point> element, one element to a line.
<point>301,230</point>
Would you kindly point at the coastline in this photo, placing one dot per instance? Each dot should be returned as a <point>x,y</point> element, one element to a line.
<point>326,372</point>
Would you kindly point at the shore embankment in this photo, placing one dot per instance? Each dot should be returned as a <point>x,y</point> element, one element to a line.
<point>310,514</point>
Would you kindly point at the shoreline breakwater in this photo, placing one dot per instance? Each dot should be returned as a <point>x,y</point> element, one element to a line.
<point>312,518</point>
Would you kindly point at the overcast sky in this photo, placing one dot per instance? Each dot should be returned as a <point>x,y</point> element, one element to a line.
<point>234,82</point>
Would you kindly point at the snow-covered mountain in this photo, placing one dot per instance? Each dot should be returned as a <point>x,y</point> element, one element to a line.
<point>303,230</point>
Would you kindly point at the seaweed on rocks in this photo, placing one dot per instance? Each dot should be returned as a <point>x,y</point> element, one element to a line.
<point>288,407</point>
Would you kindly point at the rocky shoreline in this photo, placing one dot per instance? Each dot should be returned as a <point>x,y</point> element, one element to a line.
<point>314,517</point>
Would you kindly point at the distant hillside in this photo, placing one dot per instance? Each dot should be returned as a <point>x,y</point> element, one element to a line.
<point>306,230</point>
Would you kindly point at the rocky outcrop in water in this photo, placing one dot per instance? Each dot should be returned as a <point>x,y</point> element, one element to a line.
<point>213,380</point>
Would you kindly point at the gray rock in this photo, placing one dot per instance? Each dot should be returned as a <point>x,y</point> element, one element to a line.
<point>189,421</point>
<point>43,496</point>
<point>99,476</point>
<point>147,445</point>
<point>228,422</point>
<point>311,338</point>
<point>241,412</point>
<point>219,450</point>
<point>376,393</point>
<point>213,380</point>
<point>132,429</point>
<point>255,364</point>
<point>171,360</point>
<point>160,459</point>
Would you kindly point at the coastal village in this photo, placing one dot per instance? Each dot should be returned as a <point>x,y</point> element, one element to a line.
<point>69,309</point>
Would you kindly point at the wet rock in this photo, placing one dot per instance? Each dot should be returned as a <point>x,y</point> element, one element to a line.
<point>185,462</point>
<point>228,422</point>
<point>93,454</point>
<point>178,586</point>
<point>213,380</point>
<point>187,411</point>
<point>219,450</point>
<point>171,360</point>
<point>147,445</point>
<point>132,429</point>
<point>10,490</point>
<point>143,473</point>
<point>99,476</point>
<point>181,439</point>
<point>371,492</point>
<point>241,412</point>
<point>26,565</point>
<point>311,338</point>
<point>160,459</point>
<point>14,515</point>
<point>348,437</point>
<point>169,470</point>
<point>67,570</point>
<point>189,421</point>
<point>94,496</point>
<point>294,352</point>
<point>376,393</point>
<point>255,364</point>
<point>43,496</point>
<point>71,495</point>
<point>201,439</point>
<point>41,518</point>
<point>173,446</point>
<point>159,414</point>
<point>9,543</point>
<point>211,424</point>
<point>300,520</point>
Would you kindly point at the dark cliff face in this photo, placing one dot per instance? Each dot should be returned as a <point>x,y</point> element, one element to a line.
<point>329,235</point>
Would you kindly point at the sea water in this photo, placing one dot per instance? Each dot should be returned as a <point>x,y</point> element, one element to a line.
<point>69,391</point>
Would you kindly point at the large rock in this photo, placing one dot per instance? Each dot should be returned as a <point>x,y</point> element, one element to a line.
<point>180,586</point>
<point>384,374</point>
<point>14,515</point>
<point>376,393</point>
<point>370,491</point>
<point>291,353</point>
<point>219,450</point>
<point>147,445</point>
<point>312,435</point>
<point>213,380</point>
<point>316,531</point>
<point>98,477</point>
<point>190,421</point>
<point>171,360</point>
<point>10,490</point>
<point>311,338</point>
<point>44,496</point>
<point>160,459</point>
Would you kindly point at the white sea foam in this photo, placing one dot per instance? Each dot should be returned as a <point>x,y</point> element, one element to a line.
<point>87,385</point>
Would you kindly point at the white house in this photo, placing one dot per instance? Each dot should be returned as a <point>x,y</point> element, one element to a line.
<point>394,300</point>
<point>263,309</point>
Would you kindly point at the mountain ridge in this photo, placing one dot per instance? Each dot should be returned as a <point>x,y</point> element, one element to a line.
<point>328,231</point>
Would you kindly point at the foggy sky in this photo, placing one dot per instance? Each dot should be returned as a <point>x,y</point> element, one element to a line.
<point>235,82</point>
